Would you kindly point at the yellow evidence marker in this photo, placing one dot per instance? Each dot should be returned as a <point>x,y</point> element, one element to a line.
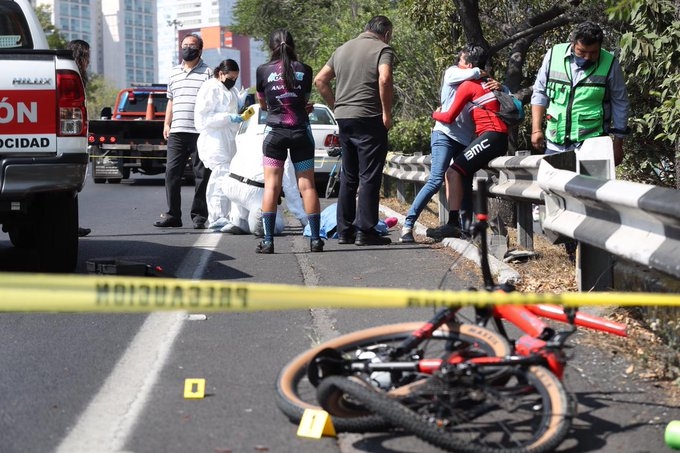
<point>315,423</point>
<point>247,113</point>
<point>194,388</point>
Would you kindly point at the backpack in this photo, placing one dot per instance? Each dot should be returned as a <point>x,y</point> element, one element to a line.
<point>511,111</point>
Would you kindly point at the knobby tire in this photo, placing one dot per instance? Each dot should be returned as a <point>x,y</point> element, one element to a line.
<point>467,434</point>
<point>294,393</point>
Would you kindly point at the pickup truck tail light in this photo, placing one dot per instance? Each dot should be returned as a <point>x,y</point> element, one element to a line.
<point>72,113</point>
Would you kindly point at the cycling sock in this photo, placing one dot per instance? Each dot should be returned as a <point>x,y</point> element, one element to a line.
<point>314,225</point>
<point>269,223</point>
<point>454,218</point>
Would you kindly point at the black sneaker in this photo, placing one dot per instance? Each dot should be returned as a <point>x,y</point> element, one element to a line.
<point>316,245</point>
<point>371,239</point>
<point>265,247</point>
<point>444,231</point>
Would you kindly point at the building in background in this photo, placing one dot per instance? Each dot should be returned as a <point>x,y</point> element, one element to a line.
<point>121,33</point>
<point>137,41</point>
<point>211,21</point>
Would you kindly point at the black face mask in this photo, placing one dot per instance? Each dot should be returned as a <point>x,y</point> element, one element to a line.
<point>229,83</point>
<point>189,53</point>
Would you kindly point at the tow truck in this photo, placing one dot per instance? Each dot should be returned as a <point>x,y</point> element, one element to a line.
<point>129,138</point>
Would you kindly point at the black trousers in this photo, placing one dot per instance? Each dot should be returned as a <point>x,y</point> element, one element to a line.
<point>181,146</point>
<point>364,150</point>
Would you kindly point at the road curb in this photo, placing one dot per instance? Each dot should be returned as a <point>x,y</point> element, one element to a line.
<point>501,271</point>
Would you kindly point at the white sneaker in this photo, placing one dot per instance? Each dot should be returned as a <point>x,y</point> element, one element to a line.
<point>406,236</point>
<point>219,223</point>
<point>232,229</point>
<point>536,213</point>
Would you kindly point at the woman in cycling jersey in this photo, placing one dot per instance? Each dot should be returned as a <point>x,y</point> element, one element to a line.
<point>284,85</point>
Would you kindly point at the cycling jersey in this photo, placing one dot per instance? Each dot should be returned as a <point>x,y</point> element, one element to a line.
<point>482,111</point>
<point>287,108</point>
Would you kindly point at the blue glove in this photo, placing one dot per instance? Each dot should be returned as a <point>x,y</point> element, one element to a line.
<point>235,118</point>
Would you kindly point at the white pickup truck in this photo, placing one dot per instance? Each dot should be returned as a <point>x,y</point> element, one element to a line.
<point>43,140</point>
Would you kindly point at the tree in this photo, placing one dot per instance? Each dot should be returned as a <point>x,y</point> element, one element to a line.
<point>54,37</point>
<point>650,55</point>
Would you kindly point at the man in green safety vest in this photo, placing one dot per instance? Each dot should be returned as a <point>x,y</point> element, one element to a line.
<point>580,92</point>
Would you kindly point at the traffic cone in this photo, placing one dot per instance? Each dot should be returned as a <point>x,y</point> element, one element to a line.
<point>150,111</point>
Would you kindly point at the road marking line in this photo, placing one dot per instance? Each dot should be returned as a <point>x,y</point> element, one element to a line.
<point>111,415</point>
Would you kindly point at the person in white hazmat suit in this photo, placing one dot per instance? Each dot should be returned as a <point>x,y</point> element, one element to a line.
<point>245,188</point>
<point>217,120</point>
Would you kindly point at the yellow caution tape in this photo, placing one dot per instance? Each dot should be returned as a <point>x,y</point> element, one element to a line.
<point>121,294</point>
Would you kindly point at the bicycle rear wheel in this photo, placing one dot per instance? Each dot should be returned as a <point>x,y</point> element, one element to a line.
<point>295,393</point>
<point>333,180</point>
<point>530,413</point>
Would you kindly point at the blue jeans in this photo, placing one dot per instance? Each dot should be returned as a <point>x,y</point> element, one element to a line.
<point>444,148</point>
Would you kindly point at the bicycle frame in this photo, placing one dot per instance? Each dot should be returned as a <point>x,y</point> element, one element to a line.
<point>540,344</point>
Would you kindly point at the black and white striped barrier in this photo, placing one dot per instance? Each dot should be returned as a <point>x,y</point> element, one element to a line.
<point>517,178</point>
<point>635,221</point>
<point>408,168</point>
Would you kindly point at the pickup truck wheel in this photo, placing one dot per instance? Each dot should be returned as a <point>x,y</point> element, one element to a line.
<point>57,233</point>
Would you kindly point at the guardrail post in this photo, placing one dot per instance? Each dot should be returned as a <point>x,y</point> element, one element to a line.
<point>595,266</point>
<point>525,220</point>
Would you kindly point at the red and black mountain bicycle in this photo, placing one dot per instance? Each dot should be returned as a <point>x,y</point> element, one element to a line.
<point>465,387</point>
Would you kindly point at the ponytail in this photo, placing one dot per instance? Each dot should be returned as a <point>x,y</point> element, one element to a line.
<point>282,47</point>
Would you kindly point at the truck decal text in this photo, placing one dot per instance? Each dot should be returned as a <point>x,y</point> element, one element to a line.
<point>21,112</point>
<point>27,112</point>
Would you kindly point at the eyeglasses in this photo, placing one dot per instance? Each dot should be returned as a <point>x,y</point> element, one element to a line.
<point>184,46</point>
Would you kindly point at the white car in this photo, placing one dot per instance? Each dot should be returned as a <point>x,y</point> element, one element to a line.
<point>324,130</point>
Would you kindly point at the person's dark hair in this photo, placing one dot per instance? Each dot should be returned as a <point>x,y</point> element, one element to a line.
<point>475,55</point>
<point>225,66</point>
<point>379,25</point>
<point>198,38</point>
<point>283,48</point>
<point>587,33</point>
<point>81,55</point>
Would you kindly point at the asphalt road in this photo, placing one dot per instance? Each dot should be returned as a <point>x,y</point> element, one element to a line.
<point>105,383</point>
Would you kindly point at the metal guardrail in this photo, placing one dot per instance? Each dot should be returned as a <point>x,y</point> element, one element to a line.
<point>512,178</point>
<point>635,221</point>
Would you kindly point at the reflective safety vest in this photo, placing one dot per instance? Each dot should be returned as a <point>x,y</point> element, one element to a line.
<point>575,112</point>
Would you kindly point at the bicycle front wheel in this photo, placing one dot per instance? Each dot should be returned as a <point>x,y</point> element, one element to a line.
<point>529,414</point>
<point>295,393</point>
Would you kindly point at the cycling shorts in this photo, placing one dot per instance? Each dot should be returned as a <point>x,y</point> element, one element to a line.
<point>279,140</point>
<point>477,155</point>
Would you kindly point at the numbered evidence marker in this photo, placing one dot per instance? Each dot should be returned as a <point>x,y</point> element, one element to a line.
<point>194,388</point>
<point>315,423</point>
<point>672,435</point>
<point>247,113</point>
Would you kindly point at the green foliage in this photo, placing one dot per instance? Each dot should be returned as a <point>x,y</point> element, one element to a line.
<point>412,136</point>
<point>650,55</point>
<point>54,37</point>
<point>100,94</point>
